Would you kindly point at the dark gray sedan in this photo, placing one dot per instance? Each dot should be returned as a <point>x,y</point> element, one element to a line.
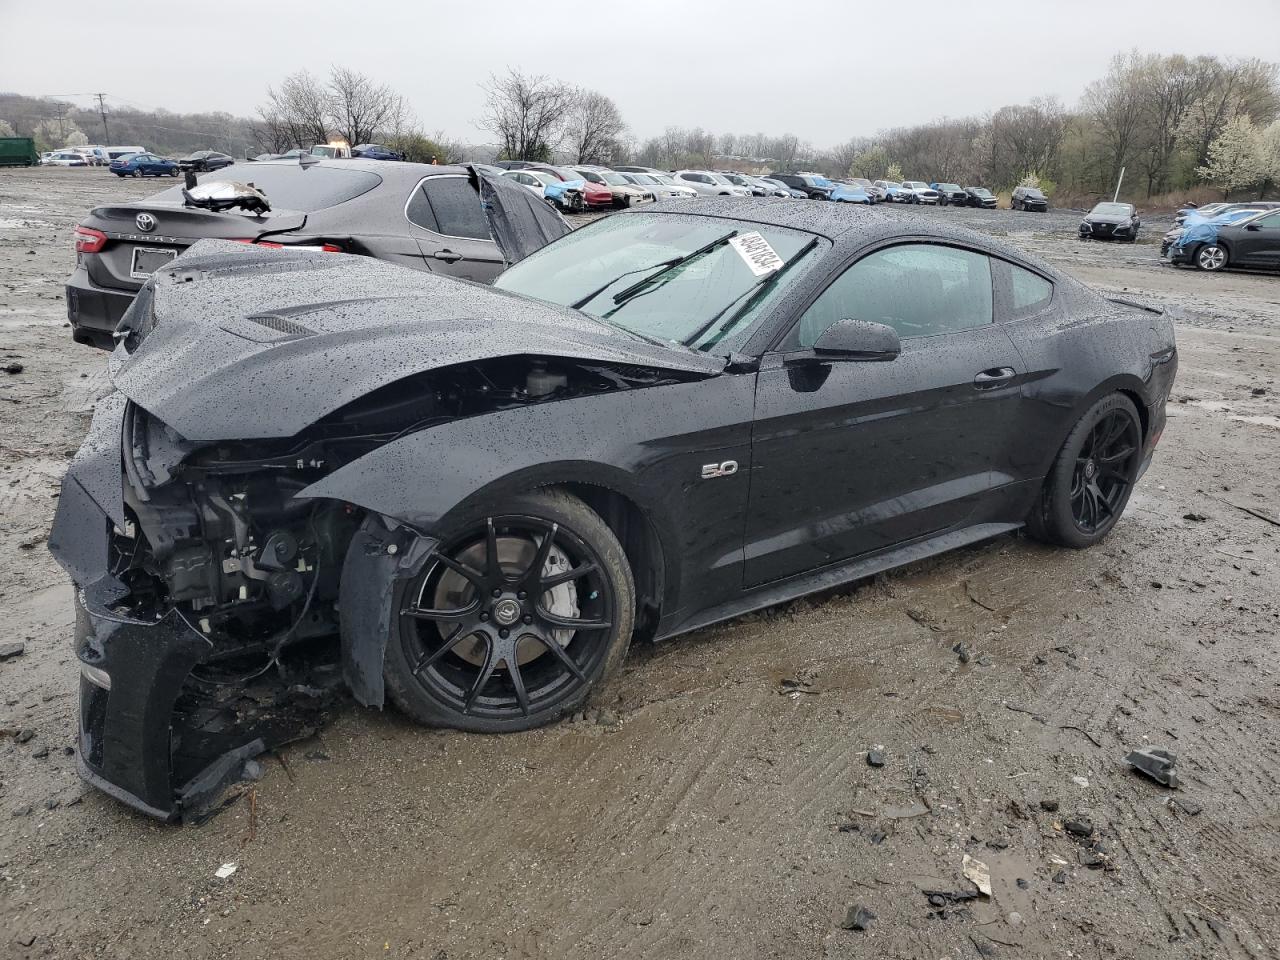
<point>425,216</point>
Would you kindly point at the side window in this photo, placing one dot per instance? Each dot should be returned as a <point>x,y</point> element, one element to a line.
<point>419,211</point>
<point>1269,222</point>
<point>456,207</point>
<point>921,290</point>
<point>1030,292</point>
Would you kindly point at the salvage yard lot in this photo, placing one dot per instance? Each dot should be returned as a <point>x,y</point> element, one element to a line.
<point>717,801</point>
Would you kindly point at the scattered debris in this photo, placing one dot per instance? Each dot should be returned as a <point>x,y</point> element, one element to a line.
<point>961,650</point>
<point>1092,738</point>
<point>226,870</point>
<point>1049,806</point>
<point>875,756</point>
<point>24,735</point>
<point>1186,805</point>
<point>8,650</point>
<point>794,687</point>
<point>977,873</point>
<point>41,751</point>
<point>1078,828</point>
<point>908,812</point>
<point>1092,860</point>
<point>1156,763</point>
<point>1080,781</point>
<point>318,755</point>
<point>13,367</point>
<point>857,917</point>
<point>1253,513</point>
<point>1060,877</point>
<point>1195,517</point>
<point>607,718</point>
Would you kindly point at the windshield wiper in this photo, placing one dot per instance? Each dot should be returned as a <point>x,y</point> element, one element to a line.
<point>622,296</point>
<point>583,301</point>
<point>751,293</point>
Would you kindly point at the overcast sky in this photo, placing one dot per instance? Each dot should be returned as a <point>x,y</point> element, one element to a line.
<point>828,71</point>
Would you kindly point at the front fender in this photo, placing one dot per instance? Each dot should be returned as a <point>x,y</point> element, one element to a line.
<point>648,444</point>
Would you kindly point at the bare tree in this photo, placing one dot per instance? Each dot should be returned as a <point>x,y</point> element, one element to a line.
<point>595,127</point>
<point>298,111</point>
<point>360,109</point>
<point>527,114</point>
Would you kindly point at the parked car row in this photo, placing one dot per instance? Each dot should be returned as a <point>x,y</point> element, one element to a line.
<point>1241,235</point>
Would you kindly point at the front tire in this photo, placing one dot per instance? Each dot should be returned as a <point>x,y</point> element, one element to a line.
<point>525,608</point>
<point>1092,476</point>
<point>1211,258</point>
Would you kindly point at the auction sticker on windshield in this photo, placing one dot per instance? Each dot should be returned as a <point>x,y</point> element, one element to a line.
<point>756,253</point>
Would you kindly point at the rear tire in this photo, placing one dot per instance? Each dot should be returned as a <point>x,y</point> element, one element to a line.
<point>1092,476</point>
<point>449,663</point>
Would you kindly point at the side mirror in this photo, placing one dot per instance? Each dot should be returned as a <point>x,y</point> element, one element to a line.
<point>858,340</point>
<point>1252,226</point>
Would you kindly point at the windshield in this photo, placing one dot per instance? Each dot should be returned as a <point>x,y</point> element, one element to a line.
<point>595,264</point>
<point>1113,209</point>
<point>980,191</point>
<point>716,178</point>
<point>643,178</point>
<point>892,186</point>
<point>1033,192</point>
<point>612,178</point>
<point>663,178</point>
<point>948,186</point>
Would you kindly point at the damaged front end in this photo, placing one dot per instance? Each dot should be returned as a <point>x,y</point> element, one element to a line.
<point>220,613</point>
<point>199,584</point>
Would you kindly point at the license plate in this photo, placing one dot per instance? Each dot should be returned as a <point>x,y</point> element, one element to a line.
<point>147,260</point>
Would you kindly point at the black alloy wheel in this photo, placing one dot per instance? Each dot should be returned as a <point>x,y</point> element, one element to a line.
<point>514,619</point>
<point>1089,484</point>
<point>1101,479</point>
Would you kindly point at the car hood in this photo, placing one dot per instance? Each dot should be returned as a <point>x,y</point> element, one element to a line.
<point>233,342</point>
<point>1111,218</point>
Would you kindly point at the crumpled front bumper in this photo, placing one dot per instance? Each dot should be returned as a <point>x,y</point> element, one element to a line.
<point>133,669</point>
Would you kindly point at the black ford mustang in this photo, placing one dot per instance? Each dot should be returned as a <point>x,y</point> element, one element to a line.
<point>469,500</point>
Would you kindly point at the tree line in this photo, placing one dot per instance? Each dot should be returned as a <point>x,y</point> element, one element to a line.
<point>1171,122</point>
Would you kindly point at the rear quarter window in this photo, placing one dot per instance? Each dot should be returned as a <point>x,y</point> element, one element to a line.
<point>1030,292</point>
<point>456,207</point>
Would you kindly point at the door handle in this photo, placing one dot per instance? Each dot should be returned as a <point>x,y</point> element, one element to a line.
<point>448,256</point>
<point>995,377</point>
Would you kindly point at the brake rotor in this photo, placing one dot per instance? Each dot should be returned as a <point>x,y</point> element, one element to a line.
<point>454,591</point>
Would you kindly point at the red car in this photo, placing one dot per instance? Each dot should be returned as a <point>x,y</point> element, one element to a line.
<point>595,195</point>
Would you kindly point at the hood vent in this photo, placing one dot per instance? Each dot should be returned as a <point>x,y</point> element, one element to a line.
<point>267,328</point>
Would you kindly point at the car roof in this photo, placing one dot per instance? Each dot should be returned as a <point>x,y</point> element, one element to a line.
<point>847,228</point>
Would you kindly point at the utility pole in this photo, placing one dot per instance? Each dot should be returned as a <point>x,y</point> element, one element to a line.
<point>1118,182</point>
<point>102,110</point>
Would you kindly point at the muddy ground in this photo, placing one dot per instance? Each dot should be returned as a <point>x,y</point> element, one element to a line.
<point>723,805</point>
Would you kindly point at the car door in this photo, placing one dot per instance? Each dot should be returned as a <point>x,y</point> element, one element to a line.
<point>851,457</point>
<point>1257,243</point>
<point>451,230</point>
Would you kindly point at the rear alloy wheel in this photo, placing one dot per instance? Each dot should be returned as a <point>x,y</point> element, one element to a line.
<point>1092,476</point>
<point>1211,257</point>
<point>514,619</point>
<point>137,172</point>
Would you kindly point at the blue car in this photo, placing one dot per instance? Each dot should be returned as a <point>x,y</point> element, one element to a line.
<point>375,151</point>
<point>850,193</point>
<point>143,165</point>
